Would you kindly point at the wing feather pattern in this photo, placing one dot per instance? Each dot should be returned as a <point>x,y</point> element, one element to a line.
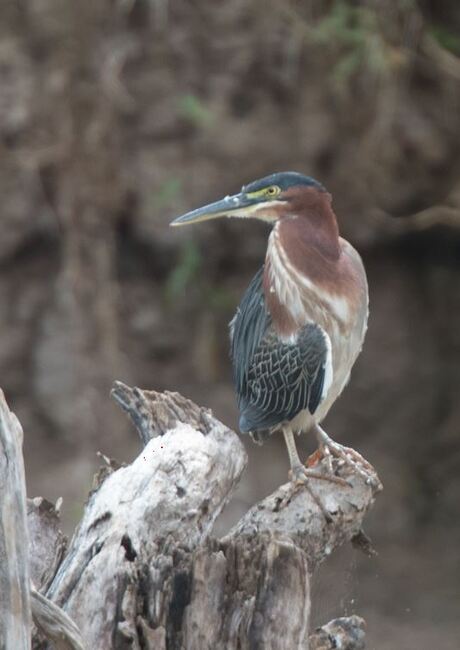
<point>274,380</point>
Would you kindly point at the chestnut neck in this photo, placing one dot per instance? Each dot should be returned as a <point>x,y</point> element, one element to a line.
<point>314,221</point>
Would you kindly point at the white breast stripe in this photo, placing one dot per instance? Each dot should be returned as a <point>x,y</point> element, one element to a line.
<point>281,279</point>
<point>328,369</point>
<point>286,279</point>
<point>339,306</point>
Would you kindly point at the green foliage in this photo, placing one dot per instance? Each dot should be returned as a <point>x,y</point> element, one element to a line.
<point>356,31</point>
<point>186,271</point>
<point>167,193</point>
<point>219,299</point>
<point>189,272</point>
<point>346,23</point>
<point>193,109</point>
<point>447,39</point>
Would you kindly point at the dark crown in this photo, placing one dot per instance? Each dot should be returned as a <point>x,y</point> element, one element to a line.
<point>283,180</point>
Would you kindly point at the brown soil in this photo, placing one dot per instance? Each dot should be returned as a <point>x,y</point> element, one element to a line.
<point>117,116</point>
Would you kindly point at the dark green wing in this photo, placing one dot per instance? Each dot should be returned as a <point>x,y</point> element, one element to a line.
<point>274,380</point>
<point>247,329</point>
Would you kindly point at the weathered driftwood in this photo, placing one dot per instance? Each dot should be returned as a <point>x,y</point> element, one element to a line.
<point>126,575</point>
<point>54,624</point>
<point>15,615</point>
<point>345,633</point>
<point>142,570</point>
<point>48,546</point>
<point>47,542</point>
<point>301,522</point>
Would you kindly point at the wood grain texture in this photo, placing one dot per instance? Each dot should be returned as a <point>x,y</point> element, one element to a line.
<point>143,570</point>
<point>301,520</point>
<point>131,554</point>
<point>15,612</point>
<point>54,624</point>
<point>346,633</point>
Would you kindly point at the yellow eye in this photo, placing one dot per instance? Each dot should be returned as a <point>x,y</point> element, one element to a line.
<point>273,190</point>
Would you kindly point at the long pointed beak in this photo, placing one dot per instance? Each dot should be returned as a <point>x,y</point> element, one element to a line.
<point>236,205</point>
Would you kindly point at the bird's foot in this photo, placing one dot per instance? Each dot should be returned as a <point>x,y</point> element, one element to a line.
<point>300,478</point>
<point>330,449</point>
<point>322,453</point>
<point>299,475</point>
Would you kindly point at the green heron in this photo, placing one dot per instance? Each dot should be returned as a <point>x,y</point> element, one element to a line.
<point>301,323</point>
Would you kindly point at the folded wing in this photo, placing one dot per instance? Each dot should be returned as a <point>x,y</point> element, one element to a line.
<point>275,379</point>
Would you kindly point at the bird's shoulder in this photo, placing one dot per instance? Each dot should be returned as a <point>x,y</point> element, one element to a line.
<point>352,266</point>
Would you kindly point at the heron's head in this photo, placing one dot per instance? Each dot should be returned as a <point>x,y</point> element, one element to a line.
<point>270,198</point>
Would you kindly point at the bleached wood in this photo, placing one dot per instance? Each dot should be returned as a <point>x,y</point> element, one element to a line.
<point>131,552</point>
<point>248,594</point>
<point>54,623</point>
<point>143,571</point>
<point>251,589</point>
<point>303,523</point>
<point>15,613</point>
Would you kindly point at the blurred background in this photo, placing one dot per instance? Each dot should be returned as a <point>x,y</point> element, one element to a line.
<point>118,115</point>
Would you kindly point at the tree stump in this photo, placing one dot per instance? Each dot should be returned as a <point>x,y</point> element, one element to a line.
<point>143,571</point>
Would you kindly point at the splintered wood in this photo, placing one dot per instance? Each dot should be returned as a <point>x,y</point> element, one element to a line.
<point>143,570</point>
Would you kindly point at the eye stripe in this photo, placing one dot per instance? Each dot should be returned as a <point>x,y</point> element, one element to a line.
<point>271,191</point>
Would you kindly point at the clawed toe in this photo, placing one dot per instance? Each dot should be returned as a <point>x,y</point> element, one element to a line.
<point>300,475</point>
<point>347,456</point>
<point>355,461</point>
<point>300,479</point>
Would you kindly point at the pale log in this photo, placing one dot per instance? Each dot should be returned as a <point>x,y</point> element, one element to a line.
<point>15,613</point>
<point>143,570</point>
